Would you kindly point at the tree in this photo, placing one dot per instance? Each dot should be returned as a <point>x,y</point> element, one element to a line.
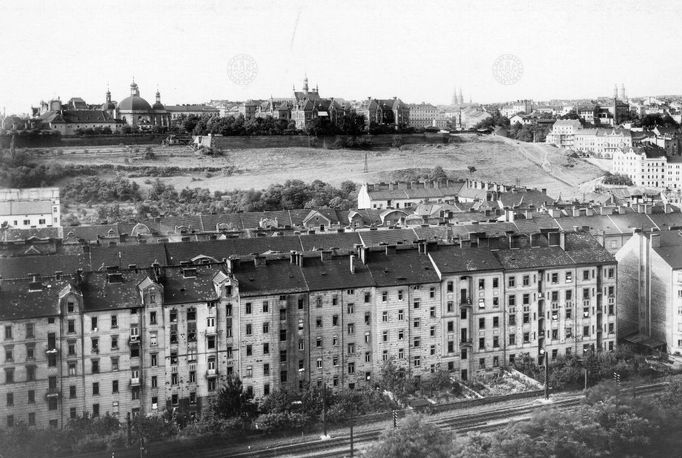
<point>414,437</point>
<point>438,174</point>
<point>232,400</point>
<point>471,169</point>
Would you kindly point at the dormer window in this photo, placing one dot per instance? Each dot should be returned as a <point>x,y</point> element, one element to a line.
<point>115,277</point>
<point>189,273</point>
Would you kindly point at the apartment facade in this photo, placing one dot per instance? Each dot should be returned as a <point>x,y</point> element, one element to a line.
<point>132,341</point>
<point>30,208</point>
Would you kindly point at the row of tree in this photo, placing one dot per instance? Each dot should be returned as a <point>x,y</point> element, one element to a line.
<point>608,423</point>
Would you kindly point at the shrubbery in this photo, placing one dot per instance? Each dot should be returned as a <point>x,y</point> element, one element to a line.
<point>617,179</point>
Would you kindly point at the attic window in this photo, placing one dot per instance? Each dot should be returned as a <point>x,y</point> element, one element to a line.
<point>189,273</point>
<point>115,278</point>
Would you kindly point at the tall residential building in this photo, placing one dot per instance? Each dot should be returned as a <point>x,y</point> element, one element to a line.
<point>142,340</point>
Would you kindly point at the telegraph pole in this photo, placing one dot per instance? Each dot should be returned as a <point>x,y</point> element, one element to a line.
<point>324,408</point>
<point>546,375</point>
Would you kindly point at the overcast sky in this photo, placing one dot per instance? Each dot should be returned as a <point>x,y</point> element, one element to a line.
<point>416,50</point>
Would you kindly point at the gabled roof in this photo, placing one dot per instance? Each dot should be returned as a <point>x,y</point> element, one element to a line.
<point>342,241</point>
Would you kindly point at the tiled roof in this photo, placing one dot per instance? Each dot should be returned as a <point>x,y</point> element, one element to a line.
<point>583,248</point>
<point>20,266</point>
<point>142,255</point>
<point>16,234</point>
<point>596,224</point>
<point>343,241</point>
<point>91,233</point>
<point>626,223</point>
<point>390,237</point>
<point>276,276</point>
<point>665,221</point>
<point>17,302</point>
<point>451,259</point>
<point>335,273</point>
<point>112,290</point>
<point>524,199</point>
<point>404,267</point>
<point>25,207</point>
<point>183,285</point>
<point>533,258</point>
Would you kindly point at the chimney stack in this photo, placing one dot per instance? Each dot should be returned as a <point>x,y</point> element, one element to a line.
<point>352,263</point>
<point>562,240</point>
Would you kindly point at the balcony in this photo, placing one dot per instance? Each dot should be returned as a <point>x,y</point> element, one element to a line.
<point>465,302</point>
<point>134,340</point>
<point>53,393</point>
<point>134,381</point>
<point>51,351</point>
<point>211,373</point>
<point>467,342</point>
<point>210,331</point>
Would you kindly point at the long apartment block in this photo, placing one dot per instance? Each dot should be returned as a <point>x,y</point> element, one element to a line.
<point>135,340</point>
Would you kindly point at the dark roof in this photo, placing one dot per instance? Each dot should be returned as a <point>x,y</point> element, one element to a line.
<point>584,249</point>
<point>533,258</point>
<point>112,290</point>
<point>596,224</point>
<point>92,233</point>
<point>134,103</point>
<point>17,302</point>
<point>343,241</point>
<point>626,223</point>
<point>404,267</point>
<point>390,237</point>
<point>334,273</point>
<point>275,276</point>
<point>16,234</point>
<point>19,267</point>
<point>219,249</point>
<point>183,285</point>
<point>454,259</point>
<point>142,255</point>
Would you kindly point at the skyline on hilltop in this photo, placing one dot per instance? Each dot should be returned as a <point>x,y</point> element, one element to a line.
<point>419,52</point>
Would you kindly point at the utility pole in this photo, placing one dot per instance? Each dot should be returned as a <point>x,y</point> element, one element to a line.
<point>324,408</point>
<point>546,374</point>
<point>585,378</point>
<point>351,432</point>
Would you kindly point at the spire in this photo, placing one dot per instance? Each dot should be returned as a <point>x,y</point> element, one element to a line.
<point>615,91</point>
<point>108,94</point>
<point>461,98</point>
<point>305,84</point>
<point>158,96</point>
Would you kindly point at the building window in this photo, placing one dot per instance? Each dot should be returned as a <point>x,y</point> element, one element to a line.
<point>31,396</point>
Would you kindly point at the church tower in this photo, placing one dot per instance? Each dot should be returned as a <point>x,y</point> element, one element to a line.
<point>461,98</point>
<point>134,91</point>
<point>305,85</point>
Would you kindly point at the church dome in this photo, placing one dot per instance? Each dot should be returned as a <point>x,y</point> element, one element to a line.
<point>134,103</point>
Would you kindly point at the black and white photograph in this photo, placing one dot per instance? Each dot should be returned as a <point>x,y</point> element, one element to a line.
<point>325,228</point>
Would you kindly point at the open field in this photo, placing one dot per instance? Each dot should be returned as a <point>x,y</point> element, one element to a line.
<point>495,159</point>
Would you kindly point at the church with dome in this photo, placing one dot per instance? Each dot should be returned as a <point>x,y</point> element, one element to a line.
<point>75,116</point>
<point>137,112</point>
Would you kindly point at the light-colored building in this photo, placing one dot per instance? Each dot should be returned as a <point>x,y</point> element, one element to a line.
<point>563,133</point>
<point>178,111</point>
<point>645,165</point>
<point>602,142</point>
<point>426,115</point>
<point>650,288</point>
<point>30,208</point>
<point>520,106</point>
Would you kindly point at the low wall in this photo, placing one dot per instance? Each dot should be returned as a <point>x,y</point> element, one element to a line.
<point>37,141</point>
<point>303,141</point>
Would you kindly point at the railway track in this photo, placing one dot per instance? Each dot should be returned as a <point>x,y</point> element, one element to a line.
<point>461,423</point>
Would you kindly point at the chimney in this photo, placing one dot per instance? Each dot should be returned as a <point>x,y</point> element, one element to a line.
<point>544,191</point>
<point>562,240</point>
<point>232,264</point>
<point>79,276</point>
<point>352,263</point>
<point>326,255</point>
<point>58,275</point>
<point>259,260</point>
<point>362,253</point>
<point>292,257</point>
<point>655,239</point>
<point>575,211</point>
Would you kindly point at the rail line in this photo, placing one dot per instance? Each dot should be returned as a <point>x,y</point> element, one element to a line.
<point>462,424</point>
